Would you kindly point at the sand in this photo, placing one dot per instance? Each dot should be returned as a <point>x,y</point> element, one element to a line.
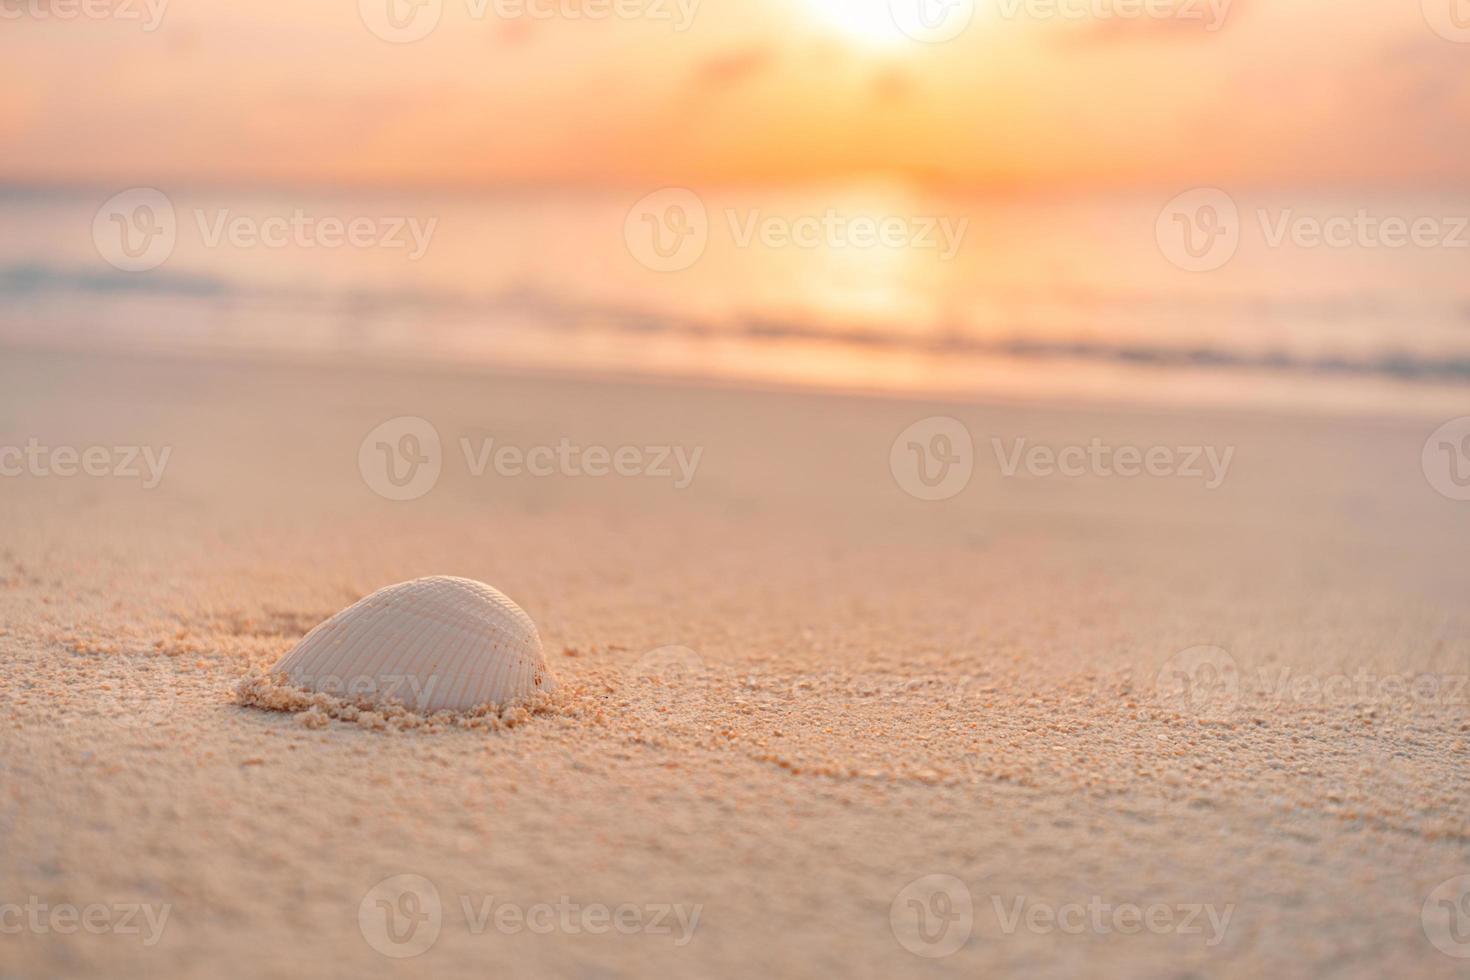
<point>791,692</point>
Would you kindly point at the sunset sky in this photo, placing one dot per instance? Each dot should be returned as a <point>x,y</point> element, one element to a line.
<point>751,91</point>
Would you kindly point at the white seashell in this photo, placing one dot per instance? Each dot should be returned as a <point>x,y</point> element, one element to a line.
<point>432,644</point>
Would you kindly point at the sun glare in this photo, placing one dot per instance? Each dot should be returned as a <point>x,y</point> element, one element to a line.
<point>868,21</point>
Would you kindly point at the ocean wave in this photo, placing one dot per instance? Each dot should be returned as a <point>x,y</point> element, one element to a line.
<point>358,307</point>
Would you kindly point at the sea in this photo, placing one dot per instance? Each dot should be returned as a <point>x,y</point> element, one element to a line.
<point>1261,298</point>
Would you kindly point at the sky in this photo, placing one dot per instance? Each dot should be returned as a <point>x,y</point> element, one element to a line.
<point>1025,94</point>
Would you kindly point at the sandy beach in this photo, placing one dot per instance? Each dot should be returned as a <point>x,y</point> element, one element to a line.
<point>792,692</point>
<point>581,490</point>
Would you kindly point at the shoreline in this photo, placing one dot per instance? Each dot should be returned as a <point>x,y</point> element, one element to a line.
<point>395,363</point>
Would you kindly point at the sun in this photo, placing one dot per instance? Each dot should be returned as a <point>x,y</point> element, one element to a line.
<point>868,21</point>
